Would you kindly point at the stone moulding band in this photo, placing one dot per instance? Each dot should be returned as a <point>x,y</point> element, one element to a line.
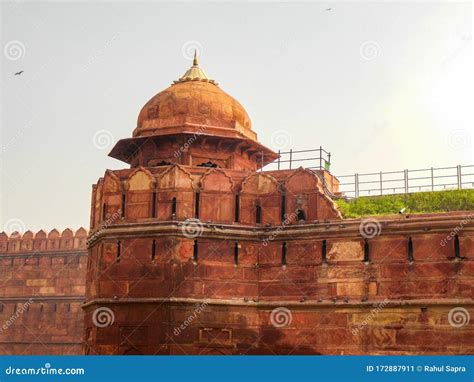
<point>43,299</point>
<point>349,228</point>
<point>263,304</point>
<point>29,255</point>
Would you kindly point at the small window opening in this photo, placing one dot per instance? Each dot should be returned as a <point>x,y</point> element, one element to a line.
<point>283,208</point>
<point>300,215</point>
<point>153,250</point>
<point>457,249</point>
<point>196,206</point>
<point>366,251</point>
<point>258,214</point>
<point>173,207</point>
<point>123,204</point>
<point>153,205</point>
<point>237,209</point>
<point>324,252</point>
<point>283,253</point>
<point>118,252</point>
<point>208,164</point>
<point>236,253</point>
<point>195,251</point>
<point>410,250</point>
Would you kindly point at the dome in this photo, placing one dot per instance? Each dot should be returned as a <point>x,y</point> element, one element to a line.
<point>193,108</point>
<point>193,100</point>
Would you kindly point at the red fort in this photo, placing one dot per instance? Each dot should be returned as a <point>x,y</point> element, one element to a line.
<point>195,249</point>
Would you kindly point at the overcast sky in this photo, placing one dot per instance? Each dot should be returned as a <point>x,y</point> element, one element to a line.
<point>382,85</point>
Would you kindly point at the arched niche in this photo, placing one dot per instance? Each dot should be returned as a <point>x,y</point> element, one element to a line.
<point>111,183</point>
<point>175,194</point>
<point>138,199</point>
<point>140,180</point>
<point>260,200</point>
<point>111,201</point>
<point>217,197</point>
<point>305,198</point>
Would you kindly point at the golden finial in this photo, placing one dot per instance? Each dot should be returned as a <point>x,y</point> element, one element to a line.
<point>195,73</point>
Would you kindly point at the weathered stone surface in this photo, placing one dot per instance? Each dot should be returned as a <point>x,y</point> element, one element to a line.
<point>43,289</point>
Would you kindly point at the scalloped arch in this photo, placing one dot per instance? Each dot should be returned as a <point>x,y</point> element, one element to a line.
<point>260,184</point>
<point>304,173</point>
<point>140,179</point>
<point>206,183</point>
<point>175,177</point>
<point>111,182</point>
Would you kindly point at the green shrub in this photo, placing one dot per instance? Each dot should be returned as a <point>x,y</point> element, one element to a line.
<point>419,202</point>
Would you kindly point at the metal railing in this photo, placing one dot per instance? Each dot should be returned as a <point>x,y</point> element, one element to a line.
<point>315,159</point>
<point>406,181</point>
<point>378,183</point>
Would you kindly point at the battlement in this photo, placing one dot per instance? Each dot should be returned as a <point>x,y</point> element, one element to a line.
<point>43,281</point>
<point>223,196</point>
<point>54,241</point>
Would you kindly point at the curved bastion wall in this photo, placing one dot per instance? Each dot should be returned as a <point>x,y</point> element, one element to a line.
<point>178,267</point>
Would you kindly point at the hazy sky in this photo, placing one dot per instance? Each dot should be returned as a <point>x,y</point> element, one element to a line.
<point>382,85</point>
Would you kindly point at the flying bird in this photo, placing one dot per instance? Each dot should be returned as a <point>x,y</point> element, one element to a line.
<point>328,9</point>
<point>18,73</point>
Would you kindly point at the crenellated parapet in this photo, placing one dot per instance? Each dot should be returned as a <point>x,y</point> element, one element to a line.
<point>43,286</point>
<point>54,241</point>
<point>218,195</point>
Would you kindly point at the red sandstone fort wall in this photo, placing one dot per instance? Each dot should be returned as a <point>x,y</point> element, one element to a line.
<point>43,287</point>
<point>330,276</point>
<point>328,301</point>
